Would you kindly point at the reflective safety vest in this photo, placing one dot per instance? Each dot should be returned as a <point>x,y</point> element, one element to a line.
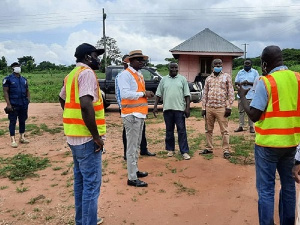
<point>279,125</point>
<point>72,117</point>
<point>136,106</point>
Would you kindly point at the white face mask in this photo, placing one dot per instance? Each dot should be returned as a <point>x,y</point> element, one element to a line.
<point>17,69</point>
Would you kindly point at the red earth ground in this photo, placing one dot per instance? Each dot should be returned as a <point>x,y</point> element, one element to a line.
<point>196,191</point>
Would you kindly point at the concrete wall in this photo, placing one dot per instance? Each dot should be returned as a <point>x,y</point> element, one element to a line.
<point>189,65</point>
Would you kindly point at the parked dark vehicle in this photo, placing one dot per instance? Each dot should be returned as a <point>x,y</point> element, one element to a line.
<point>152,79</point>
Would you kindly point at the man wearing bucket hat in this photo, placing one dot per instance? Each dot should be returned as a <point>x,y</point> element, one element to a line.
<point>84,126</point>
<point>143,146</point>
<point>134,109</point>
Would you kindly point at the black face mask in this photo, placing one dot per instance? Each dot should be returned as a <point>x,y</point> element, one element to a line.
<point>94,64</point>
<point>247,68</point>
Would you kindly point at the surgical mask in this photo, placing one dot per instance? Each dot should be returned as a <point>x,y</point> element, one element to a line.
<point>218,69</point>
<point>247,68</point>
<point>17,69</point>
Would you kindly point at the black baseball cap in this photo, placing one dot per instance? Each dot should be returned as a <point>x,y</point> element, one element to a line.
<point>14,64</point>
<point>86,49</point>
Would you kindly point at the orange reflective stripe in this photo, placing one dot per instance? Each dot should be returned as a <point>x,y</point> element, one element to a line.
<point>72,94</point>
<point>278,131</point>
<point>281,114</point>
<point>81,122</point>
<point>274,93</point>
<point>72,105</point>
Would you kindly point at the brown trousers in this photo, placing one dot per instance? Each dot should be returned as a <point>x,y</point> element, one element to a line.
<point>213,114</point>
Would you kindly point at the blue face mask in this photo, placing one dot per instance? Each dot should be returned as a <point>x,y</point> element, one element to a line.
<point>218,69</point>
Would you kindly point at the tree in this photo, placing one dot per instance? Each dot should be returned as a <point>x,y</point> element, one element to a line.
<point>23,60</point>
<point>173,60</point>
<point>3,63</point>
<point>113,53</point>
<point>46,65</point>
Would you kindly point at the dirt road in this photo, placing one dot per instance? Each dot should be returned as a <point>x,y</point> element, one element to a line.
<point>197,191</point>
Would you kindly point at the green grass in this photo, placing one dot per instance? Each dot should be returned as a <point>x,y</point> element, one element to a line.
<point>22,166</point>
<point>242,150</point>
<point>182,189</point>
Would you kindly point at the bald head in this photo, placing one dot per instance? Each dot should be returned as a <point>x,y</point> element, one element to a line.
<point>271,57</point>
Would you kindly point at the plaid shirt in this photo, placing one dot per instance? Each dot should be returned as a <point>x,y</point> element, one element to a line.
<point>218,91</point>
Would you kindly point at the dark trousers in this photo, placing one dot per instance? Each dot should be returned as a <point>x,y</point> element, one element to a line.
<point>172,118</point>
<point>20,113</point>
<point>143,146</point>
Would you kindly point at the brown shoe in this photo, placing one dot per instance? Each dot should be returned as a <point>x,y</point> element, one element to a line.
<point>239,129</point>
<point>252,131</point>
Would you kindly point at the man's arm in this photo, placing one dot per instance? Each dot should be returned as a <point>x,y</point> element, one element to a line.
<point>62,103</point>
<point>187,106</point>
<point>28,94</point>
<point>253,113</point>
<point>6,96</point>
<point>157,99</point>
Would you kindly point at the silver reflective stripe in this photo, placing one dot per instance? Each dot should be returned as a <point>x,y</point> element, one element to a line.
<point>134,105</point>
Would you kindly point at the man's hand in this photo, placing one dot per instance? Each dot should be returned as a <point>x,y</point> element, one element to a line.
<point>227,112</point>
<point>296,173</point>
<point>187,113</point>
<point>149,94</point>
<point>203,113</point>
<point>241,91</point>
<point>100,143</point>
<point>155,111</point>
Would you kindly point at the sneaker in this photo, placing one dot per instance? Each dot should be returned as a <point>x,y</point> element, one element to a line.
<point>171,153</point>
<point>14,144</point>
<point>226,155</point>
<point>99,220</point>
<point>24,141</point>
<point>186,156</point>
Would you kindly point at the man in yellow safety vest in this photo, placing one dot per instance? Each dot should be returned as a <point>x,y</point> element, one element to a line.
<point>276,110</point>
<point>84,126</point>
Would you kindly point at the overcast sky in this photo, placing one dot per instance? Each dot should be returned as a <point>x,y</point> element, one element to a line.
<point>50,30</point>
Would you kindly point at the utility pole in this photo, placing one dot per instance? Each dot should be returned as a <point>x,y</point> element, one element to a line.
<point>104,37</point>
<point>245,51</point>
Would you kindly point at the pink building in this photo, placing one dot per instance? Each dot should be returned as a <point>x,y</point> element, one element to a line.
<point>196,54</point>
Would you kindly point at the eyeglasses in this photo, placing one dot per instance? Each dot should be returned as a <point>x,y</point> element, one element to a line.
<point>140,59</point>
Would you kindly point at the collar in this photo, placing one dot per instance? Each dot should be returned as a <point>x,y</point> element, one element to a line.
<point>221,73</point>
<point>247,71</point>
<point>173,77</point>
<point>83,64</point>
<point>278,68</point>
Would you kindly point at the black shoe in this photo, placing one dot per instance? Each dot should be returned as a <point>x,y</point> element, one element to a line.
<point>137,183</point>
<point>125,158</point>
<point>141,174</point>
<point>148,153</point>
<point>239,129</point>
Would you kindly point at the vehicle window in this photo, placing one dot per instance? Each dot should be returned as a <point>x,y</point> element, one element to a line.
<point>115,72</point>
<point>147,74</point>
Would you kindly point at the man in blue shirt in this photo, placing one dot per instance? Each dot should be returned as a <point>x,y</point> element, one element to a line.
<point>143,146</point>
<point>245,78</point>
<point>17,97</point>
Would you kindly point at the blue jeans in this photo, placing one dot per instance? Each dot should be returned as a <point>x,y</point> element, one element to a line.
<point>87,182</point>
<point>21,113</point>
<point>267,160</point>
<point>173,117</point>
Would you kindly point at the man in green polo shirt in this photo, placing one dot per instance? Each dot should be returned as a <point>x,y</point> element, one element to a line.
<point>175,92</point>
